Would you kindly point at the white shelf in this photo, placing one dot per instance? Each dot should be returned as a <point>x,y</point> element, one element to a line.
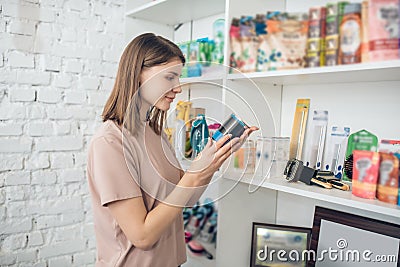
<point>340,197</point>
<point>364,72</point>
<point>173,12</point>
<point>202,79</point>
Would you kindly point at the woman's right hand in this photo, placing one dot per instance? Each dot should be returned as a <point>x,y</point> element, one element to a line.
<point>210,160</point>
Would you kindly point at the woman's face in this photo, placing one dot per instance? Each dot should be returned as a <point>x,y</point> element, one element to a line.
<point>160,84</point>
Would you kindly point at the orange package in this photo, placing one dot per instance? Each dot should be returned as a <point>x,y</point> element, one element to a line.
<point>388,182</point>
<point>365,173</point>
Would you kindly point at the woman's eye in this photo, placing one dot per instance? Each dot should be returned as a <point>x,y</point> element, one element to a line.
<point>170,78</point>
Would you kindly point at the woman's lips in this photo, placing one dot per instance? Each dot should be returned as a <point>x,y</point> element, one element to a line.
<point>170,99</point>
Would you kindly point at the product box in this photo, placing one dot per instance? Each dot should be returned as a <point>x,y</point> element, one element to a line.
<point>388,182</point>
<point>365,173</point>
<point>316,135</point>
<point>244,159</point>
<point>272,154</point>
<point>383,25</point>
<point>389,146</point>
<point>336,150</point>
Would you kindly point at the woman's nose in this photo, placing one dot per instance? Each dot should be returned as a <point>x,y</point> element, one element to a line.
<point>177,89</point>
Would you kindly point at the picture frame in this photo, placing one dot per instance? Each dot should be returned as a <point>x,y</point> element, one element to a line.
<point>351,236</point>
<point>267,238</point>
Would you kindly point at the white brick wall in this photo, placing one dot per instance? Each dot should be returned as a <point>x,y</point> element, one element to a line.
<point>58,61</point>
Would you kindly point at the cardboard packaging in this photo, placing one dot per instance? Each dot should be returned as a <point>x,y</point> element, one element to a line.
<point>388,183</point>
<point>365,173</point>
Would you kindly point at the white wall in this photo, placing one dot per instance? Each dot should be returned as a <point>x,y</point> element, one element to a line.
<point>58,60</point>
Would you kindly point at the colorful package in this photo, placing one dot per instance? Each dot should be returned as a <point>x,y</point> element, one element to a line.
<point>316,37</point>
<point>235,60</point>
<point>397,155</point>
<point>361,140</point>
<point>350,35</point>
<point>383,24</point>
<point>334,15</point>
<point>365,173</point>
<point>185,51</point>
<point>249,44</point>
<point>287,37</point>
<point>388,182</point>
<point>364,31</point>
<point>389,146</point>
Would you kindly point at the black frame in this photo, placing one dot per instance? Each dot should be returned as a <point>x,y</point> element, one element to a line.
<point>352,220</point>
<point>257,225</point>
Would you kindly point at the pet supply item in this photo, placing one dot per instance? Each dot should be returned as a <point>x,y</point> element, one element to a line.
<point>198,249</point>
<point>272,154</point>
<point>193,65</point>
<point>296,171</point>
<point>316,37</point>
<point>361,140</point>
<point>235,60</point>
<point>388,182</point>
<point>249,44</point>
<point>195,222</point>
<point>198,135</point>
<point>317,135</point>
<point>233,125</point>
<point>185,51</point>
<point>182,118</point>
<point>332,34</point>
<point>194,112</point>
<point>350,35</point>
<point>299,127</point>
<point>336,150</point>
<point>389,146</point>
<point>208,230</point>
<point>188,237</point>
<point>219,39</point>
<point>205,51</point>
<point>365,173</point>
<point>287,40</point>
<point>397,155</point>
<point>364,31</point>
<point>383,25</point>
<point>244,159</point>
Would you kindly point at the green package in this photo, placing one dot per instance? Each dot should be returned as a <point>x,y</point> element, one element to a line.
<point>361,140</point>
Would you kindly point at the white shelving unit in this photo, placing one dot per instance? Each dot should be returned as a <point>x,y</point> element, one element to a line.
<point>360,96</point>
<point>344,198</point>
<point>173,12</point>
<point>364,72</point>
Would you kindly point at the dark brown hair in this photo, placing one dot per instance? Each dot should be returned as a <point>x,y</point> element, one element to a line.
<point>145,51</point>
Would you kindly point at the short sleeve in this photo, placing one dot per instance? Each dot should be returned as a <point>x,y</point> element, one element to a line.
<point>113,179</point>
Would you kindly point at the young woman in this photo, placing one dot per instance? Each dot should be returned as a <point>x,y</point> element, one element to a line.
<point>136,184</point>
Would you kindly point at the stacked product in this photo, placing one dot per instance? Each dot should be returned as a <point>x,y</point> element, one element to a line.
<point>200,224</point>
<point>272,42</point>
<point>316,37</point>
<point>334,15</point>
<point>338,33</point>
<point>203,53</point>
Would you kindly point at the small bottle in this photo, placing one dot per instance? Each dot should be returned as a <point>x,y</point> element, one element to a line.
<point>350,35</point>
